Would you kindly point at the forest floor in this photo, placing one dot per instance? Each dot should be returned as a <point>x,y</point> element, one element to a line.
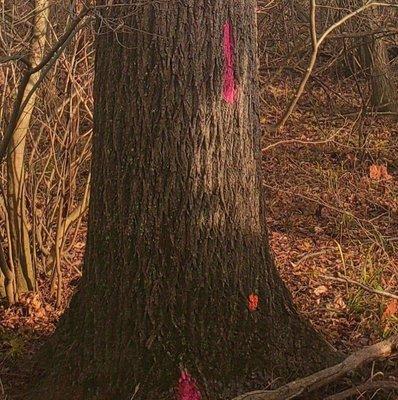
<point>332,180</point>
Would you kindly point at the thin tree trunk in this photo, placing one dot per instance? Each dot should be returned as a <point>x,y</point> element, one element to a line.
<point>372,58</point>
<point>7,278</point>
<point>377,66</point>
<point>16,198</point>
<point>177,238</point>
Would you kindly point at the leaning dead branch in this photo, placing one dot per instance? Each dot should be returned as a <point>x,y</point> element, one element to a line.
<point>322,378</point>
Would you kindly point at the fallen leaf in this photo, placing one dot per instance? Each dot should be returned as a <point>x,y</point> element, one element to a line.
<point>339,302</point>
<point>379,172</point>
<point>320,290</point>
<point>391,309</point>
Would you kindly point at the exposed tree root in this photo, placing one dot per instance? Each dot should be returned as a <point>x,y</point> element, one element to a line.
<point>326,376</point>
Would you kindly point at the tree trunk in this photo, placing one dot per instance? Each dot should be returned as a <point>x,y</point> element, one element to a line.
<point>177,238</point>
<point>25,279</point>
<point>377,66</point>
<point>371,57</point>
<point>7,278</point>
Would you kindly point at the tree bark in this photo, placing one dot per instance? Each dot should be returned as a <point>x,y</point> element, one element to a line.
<point>377,67</point>
<point>177,237</point>
<point>371,56</point>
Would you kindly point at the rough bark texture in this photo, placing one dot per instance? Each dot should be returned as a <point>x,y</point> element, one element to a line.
<point>177,238</point>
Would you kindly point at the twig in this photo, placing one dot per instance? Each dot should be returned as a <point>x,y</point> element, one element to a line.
<point>345,279</point>
<point>361,389</point>
<point>310,255</point>
<point>322,378</point>
<point>16,57</point>
<point>296,141</point>
<point>304,80</point>
<point>22,100</point>
<point>383,32</point>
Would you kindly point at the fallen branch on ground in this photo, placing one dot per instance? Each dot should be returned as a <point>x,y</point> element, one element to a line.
<point>345,279</point>
<point>310,255</point>
<point>361,389</point>
<point>322,378</point>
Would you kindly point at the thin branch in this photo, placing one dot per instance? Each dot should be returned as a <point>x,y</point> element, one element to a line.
<point>378,32</point>
<point>54,50</point>
<point>308,72</point>
<point>21,100</point>
<point>310,255</point>
<point>362,389</point>
<point>16,57</point>
<point>345,279</point>
<point>316,43</point>
<point>322,378</point>
<point>297,141</point>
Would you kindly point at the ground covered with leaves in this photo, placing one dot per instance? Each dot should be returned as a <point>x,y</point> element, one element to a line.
<point>333,212</point>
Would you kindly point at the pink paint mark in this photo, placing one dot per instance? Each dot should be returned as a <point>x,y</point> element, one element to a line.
<point>187,388</point>
<point>229,89</point>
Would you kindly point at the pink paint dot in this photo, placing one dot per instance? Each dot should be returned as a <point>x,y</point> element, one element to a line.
<point>187,388</point>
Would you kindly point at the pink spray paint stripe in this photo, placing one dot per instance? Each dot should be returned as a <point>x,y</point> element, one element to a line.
<point>187,388</point>
<point>229,89</point>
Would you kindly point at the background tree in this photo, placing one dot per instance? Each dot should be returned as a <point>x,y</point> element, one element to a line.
<point>375,61</point>
<point>19,272</point>
<point>367,37</point>
<point>45,118</point>
<point>177,242</point>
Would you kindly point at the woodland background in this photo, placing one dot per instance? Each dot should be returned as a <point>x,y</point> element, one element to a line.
<point>331,168</point>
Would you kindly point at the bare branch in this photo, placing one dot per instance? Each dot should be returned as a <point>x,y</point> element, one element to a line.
<point>21,100</point>
<point>16,57</point>
<point>316,43</point>
<point>345,279</point>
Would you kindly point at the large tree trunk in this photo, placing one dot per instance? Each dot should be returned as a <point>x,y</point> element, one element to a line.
<point>177,238</point>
